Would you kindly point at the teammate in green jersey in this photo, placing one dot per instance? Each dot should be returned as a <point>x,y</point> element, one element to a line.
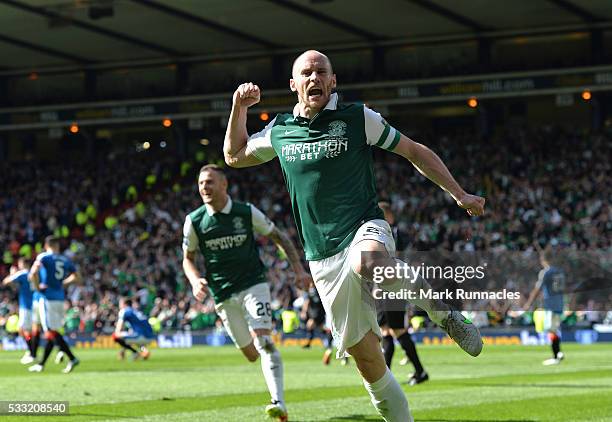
<point>222,230</point>
<point>325,152</point>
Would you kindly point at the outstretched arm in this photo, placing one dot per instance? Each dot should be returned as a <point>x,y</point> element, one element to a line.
<point>235,148</point>
<point>280,238</point>
<point>533,295</point>
<point>431,166</point>
<point>536,290</point>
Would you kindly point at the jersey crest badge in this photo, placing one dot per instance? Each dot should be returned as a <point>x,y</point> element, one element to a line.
<point>337,128</point>
<point>238,224</point>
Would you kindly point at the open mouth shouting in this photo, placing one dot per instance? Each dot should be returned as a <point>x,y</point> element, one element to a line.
<point>315,94</point>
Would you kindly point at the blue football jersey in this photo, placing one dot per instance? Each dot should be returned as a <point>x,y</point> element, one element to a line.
<point>25,292</point>
<point>553,286</point>
<point>137,321</point>
<point>55,269</point>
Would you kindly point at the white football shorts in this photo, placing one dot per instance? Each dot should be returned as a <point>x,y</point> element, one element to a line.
<point>248,310</point>
<point>346,296</point>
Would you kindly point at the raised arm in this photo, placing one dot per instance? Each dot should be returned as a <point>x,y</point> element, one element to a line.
<point>431,166</point>
<point>235,148</point>
<point>535,292</point>
<point>7,280</point>
<point>379,133</point>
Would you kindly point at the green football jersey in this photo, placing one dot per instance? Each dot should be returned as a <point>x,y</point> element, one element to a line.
<point>328,168</point>
<point>230,252</point>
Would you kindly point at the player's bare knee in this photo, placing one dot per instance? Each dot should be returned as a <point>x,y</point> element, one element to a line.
<point>252,358</point>
<point>370,256</point>
<point>363,263</point>
<point>250,352</point>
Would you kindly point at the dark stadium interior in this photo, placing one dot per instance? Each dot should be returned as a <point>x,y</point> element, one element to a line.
<point>85,87</point>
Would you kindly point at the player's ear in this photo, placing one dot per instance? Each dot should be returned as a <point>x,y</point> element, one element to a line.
<point>292,85</point>
<point>333,80</point>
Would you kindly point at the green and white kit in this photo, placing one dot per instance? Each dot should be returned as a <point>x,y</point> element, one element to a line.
<point>328,169</point>
<point>234,271</point>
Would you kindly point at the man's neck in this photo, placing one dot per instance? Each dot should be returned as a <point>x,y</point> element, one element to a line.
<point>307,111</point>
<point>218,205</point>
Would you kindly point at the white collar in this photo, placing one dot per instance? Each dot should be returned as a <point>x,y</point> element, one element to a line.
<point>332,104</point>
<point>225,210</point>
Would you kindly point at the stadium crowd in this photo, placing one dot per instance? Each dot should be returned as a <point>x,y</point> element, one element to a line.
<point>120,216</point>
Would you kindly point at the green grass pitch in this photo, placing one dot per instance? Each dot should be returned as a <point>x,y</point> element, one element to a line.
<point>506,383</point>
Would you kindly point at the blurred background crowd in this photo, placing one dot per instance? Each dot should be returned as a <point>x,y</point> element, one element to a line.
<point>120,217</point>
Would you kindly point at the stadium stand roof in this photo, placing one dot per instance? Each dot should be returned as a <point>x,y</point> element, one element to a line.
<point>39,35</point>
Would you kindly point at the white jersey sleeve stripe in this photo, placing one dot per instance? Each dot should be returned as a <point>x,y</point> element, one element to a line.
<point>17,274</point>
<point>378,132</point>
<point>384,136</point>
<point>393,139</point>
<point>260,144</point>
<point>41,255</point>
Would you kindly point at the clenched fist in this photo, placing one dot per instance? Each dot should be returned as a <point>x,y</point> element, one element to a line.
<point>473,204</point>
<point>246,95</point>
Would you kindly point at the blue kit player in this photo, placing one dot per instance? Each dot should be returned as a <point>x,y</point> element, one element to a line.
<point>19,277</point>
<point>551,283</point>
<point>50,273</point>
<point>140,332</point>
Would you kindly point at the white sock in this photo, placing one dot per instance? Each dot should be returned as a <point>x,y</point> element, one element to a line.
<point>388,398</point>
<point>272,367</point>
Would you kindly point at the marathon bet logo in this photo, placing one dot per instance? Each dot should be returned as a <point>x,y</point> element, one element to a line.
<point>328,148</point>
<point>335,144</point>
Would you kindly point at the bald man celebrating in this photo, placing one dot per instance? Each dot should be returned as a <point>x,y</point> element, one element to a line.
<point>325,152</point>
